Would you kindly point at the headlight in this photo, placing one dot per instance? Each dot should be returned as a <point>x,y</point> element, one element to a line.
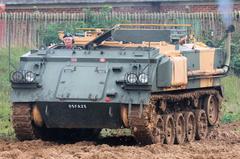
<point>17,76</point>
<point>30,76</point>
<point>143,78</point>
<point>131,78</point>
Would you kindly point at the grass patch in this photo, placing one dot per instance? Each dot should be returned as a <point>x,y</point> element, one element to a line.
<point>230,117</point>
<point>231,103</point>
<point>6,130</point>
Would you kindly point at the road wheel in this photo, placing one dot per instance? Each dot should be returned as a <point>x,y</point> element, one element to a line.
<point>190,125</point>
<point>179,128</point>
<point>169,128</point>
<point>158,132</point>
<point>211,107</point>
<point>201,124</point>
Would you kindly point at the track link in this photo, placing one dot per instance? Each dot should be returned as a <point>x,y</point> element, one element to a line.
<point>22,122</point>
<point>140,127</point>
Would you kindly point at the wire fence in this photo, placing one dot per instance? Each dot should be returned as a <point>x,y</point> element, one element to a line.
<point>23,29</point>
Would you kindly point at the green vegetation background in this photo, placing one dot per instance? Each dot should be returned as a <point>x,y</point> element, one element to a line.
<point>6,130</point>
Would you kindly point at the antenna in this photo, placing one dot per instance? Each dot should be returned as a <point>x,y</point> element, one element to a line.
<point>10,26</point>
<point>149,61</point>
<point>9,47</point>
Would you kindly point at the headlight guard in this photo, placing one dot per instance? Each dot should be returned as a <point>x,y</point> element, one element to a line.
<point>17,77</point>
<point>23,77</point>
<point>143,78</point>
<point>131,78</point>
<point>136,79</point>
<point>30,76</point>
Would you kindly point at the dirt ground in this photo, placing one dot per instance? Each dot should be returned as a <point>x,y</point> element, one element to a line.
<point>223,142</point>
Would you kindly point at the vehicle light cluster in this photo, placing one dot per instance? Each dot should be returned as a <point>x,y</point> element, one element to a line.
<point>23,77</point>
<point>133,78</point>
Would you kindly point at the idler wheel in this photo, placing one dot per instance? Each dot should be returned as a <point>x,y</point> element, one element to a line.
<point>179,128</point>
<point>169,127</point>
<point>158,132</point>
<point>211,107</point>
<point>201,124</point>
<point>190,125</point>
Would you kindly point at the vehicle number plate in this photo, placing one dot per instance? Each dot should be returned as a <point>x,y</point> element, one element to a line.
<point>77,106</point>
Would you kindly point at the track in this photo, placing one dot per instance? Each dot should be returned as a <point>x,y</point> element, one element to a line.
<point>175,118</point>
<point>22,122</point>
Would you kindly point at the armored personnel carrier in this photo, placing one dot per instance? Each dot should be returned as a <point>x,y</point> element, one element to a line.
<point>142,79</point>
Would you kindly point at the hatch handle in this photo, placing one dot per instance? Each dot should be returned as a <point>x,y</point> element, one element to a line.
<point>71,69</point>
